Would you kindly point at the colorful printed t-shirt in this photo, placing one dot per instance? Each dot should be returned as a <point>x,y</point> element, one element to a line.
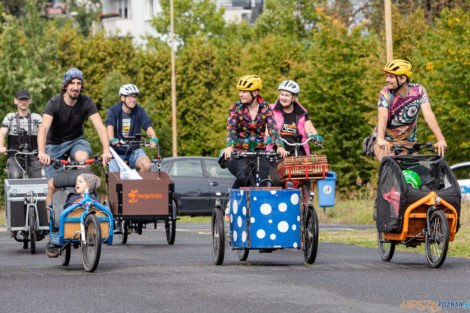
<point>403,113</point>
<point>243,134</point>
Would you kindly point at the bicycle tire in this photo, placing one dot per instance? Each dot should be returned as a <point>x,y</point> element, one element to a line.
<point>439,233</point>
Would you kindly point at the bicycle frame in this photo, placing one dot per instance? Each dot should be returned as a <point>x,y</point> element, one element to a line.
<point>88,205</point>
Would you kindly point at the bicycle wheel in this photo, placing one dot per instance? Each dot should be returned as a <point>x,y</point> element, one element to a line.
<point>32,229</point>
<point>243,254</point>
<point>386,248</point>
<point>91,248</point>
<point>170,223</point>
<point>311,236</point>
<point>65,256</point>
<point>218,236</point>
<point>437,239</point>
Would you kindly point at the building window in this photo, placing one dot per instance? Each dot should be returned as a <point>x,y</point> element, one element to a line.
<point>123,8</point>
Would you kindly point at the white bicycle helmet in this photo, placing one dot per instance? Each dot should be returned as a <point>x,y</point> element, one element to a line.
<point>128,89</point>
<point>290,86</point>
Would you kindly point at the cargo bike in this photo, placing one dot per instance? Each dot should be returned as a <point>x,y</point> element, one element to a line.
<point>136,203</point>
<point>85,224</point>
<point>418,201</point>
<point>271,218</point>
<point>25,205</point>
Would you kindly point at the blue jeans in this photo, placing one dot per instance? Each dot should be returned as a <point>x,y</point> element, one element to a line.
<point>131,158</point>
<point>68,147</point>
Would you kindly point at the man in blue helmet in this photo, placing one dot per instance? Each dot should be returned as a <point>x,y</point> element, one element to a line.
<point>61,131</point>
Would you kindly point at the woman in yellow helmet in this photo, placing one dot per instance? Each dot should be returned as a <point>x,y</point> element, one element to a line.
<point>247,122</point>
<point>398,110</point>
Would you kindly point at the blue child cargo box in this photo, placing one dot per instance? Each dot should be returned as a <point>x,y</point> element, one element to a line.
<point>326,190</point>
<point>265,218</point>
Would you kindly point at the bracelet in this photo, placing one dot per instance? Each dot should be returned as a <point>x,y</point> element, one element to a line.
<point>111,141</point>
<point>154,140</point>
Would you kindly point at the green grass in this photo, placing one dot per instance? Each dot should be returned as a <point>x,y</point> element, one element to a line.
<point>348,212</point>
<point>194,219</point>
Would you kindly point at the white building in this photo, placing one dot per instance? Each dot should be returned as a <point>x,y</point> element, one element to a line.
<point>133,17</point>
<point>129,17</point>
<point>237,10</point>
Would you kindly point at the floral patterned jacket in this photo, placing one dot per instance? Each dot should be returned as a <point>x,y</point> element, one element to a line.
<point>243,134</point>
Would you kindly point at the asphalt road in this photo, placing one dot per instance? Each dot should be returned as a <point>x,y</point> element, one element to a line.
<point>147,275</point>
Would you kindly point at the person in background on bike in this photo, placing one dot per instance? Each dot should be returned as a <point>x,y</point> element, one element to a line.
<point>62,123</point>
<point>292,122</point>
<point>124,121</point>
<point>398,110</point>
<point>22,130</point>
<point>247,122</point>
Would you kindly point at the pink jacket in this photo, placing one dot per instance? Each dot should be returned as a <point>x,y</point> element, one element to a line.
<point>277,110</point>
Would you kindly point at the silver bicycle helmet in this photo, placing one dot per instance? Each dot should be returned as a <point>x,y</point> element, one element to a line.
<point>290,86</point>
<point>128,89</point>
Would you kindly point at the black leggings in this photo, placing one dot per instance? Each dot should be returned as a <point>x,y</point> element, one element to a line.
<point>244,170</point>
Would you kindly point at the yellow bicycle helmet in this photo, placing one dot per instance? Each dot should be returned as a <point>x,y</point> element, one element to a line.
<point>398,67</point>
<point>250,83</point>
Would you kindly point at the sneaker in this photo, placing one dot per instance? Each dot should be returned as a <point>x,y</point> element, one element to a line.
<point>52,251</point>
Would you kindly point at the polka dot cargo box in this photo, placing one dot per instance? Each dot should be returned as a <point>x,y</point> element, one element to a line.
<point>265,218</point>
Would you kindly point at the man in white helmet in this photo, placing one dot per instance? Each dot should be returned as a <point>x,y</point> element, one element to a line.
<point>292,121</point>
<point>124,121</point>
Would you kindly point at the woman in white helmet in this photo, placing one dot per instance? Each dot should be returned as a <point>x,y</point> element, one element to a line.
<point>292,120</point>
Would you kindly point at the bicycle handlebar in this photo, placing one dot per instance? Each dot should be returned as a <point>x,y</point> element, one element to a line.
<point>66,163</point>
<point>300,144</point>
<point>244,154</point>
<point>417,147</point>
<point>22,152</point>
<point>142,143</point>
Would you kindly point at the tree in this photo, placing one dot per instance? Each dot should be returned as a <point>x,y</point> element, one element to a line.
<point>192,18</point>
<point>336,99</point>
<point>85,13</point>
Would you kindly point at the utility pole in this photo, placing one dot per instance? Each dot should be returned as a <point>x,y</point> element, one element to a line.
<point>388,29</point>
<point>173,83</point>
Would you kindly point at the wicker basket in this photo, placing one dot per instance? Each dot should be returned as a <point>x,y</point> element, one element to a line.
<point>303,167</point>
<point>305,160</point>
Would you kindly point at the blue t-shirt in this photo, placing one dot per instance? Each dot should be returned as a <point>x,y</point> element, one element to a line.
<point>138,120</point>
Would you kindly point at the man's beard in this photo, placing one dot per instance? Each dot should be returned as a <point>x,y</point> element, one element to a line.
<point>71,96</point>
